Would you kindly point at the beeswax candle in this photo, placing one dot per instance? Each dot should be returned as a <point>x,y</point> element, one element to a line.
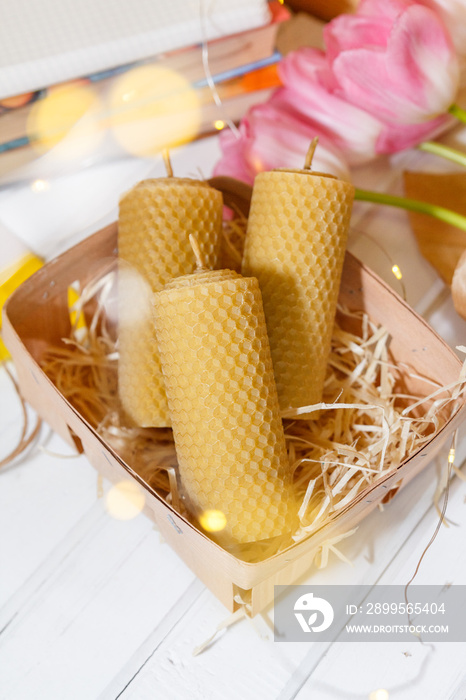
<point>226,423</point>
<point>155,220</point>
<point>295,246</point>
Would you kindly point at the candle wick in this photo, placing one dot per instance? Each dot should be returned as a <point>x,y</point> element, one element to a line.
<point>200,261</point>
<point>166,160</point>
<point>310,153</point>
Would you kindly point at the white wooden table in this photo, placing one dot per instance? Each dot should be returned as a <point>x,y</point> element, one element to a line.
<point>95,607</point>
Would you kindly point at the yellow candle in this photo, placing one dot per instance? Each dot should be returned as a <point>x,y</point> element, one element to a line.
<point>295,246</point>
<point>224,407</point>
<point>155,220</point>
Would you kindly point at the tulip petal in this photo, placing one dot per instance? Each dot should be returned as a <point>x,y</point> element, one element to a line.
<point>347,32</point>
<point>453,15</point>
<point>396,137</point>
<point>233,161</point>
<point>415,79</point>
<point>309,92</point>
<point>384,9</point>
<point>273,136</point>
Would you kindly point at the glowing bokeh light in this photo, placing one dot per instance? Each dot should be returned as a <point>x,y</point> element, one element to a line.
<point>397,272</point>
<point>40,185</point>
<point>152,108</point>
<point>213,520</point>
<point>68,115</point>
<point>125,500</point>
<point>136,312</point>
<point>219,124</point>
<point>380,694</point>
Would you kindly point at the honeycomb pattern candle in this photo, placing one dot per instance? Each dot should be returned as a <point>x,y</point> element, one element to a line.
<point>155,220</point>
<point>222,396</point>
<point>295,246</point>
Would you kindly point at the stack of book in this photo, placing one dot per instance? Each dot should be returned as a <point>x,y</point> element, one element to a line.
<point>226,74</point>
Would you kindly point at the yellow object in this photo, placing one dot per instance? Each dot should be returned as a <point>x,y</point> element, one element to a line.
<point>77,319</point>
<point>155,220</point>
<point>295,246</point>
<point>226,422</point>
<point>10,279</point>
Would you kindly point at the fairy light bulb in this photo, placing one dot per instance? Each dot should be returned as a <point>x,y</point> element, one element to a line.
<point>40,185</point>
<point>213,520</point>
<point>125,500</point>
<point>379,694</point>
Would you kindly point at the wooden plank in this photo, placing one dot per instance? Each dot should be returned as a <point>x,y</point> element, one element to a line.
<point>406,670</point>
<point>94,600</point>
<point>42,497</point>
<point>241,663</point>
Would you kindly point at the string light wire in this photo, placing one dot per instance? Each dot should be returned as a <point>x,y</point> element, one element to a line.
<point>208,74</point>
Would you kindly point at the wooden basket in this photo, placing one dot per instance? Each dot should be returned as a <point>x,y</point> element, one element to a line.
<point>37,315</point>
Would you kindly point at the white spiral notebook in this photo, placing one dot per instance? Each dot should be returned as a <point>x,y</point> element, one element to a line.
<point>44,42</point>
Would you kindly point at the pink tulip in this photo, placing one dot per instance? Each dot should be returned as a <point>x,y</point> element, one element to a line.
<point>310,91</point>
<point>385,83</point>
<point>397,137</point>
<point>394,59</point>
<point>366,113</point>
<point>453,15</point>
<point>233,161</point>
<point>272,136</point>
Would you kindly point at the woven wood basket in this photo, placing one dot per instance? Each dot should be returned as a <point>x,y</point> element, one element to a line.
<point>37,315</point>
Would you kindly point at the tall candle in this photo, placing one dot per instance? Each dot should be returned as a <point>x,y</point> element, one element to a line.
<point>224,408</point>
<point>155,220</point>
<point>295,246</point>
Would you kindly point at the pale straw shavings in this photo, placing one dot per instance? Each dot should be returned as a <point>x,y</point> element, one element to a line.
<point>367,424</point>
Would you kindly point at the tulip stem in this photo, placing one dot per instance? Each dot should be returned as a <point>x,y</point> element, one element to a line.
<point>458,112</point>
<point>446,215</point>
<point>443,151</point>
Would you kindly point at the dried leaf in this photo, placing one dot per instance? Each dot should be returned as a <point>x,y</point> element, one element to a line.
<point>440,243</point>
<point>458,287</point>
